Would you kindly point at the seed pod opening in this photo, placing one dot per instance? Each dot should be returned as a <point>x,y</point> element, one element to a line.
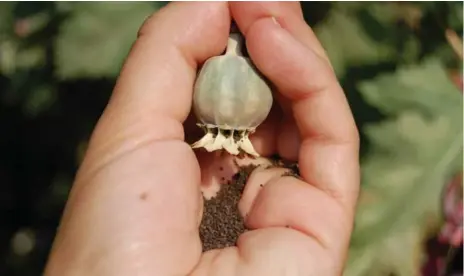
<point>231,98</point>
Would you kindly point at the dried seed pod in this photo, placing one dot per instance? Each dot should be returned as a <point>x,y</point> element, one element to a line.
<point>231,98</point>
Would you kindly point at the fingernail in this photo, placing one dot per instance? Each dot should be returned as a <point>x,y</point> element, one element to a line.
<point>275,21</point>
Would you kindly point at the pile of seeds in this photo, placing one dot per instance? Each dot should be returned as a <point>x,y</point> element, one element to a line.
<point>222,223</point>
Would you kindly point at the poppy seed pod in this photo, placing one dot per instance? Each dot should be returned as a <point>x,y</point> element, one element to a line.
<point>231,98</point>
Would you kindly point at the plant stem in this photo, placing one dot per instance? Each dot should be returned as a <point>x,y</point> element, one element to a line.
<point>235,44</point>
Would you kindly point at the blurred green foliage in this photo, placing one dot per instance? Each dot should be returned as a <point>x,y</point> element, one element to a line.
<point>59,61</point>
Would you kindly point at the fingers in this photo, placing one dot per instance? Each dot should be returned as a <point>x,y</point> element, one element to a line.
<point>136,199</point>
<point>153,94</point>
<point>290,16</point>
<point>287,53</point>
<point>284,201</point>
<point>328,155</point>
<point>258,178</point>
<point>273,200</point>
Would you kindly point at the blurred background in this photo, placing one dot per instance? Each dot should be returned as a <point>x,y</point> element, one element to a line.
<point>400,64</point>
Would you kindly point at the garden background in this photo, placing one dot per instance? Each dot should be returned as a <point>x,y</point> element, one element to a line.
<point>400,64</point>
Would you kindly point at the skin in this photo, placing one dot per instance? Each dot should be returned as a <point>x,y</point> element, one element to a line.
<point>136,204</point>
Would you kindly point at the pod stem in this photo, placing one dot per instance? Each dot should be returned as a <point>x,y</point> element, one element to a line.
<point>235,44</point>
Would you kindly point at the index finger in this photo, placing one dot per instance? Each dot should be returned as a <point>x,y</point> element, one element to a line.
<point>294,61</point>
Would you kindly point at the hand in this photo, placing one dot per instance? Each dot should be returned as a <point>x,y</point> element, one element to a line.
<point>135,206</point>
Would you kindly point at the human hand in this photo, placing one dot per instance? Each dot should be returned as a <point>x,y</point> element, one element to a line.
<point>136,204</point>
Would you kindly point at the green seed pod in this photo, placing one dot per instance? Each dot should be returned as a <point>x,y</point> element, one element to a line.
<point>231,98</point>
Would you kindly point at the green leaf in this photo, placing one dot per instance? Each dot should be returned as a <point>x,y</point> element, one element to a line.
<point>8,51</point>
<point>96,38</point>
<point>456,15</point>
<point>346,41</point>
<point>411,158</point>
<point>7,47</point>
<point>14,58</point>
<point>6,19</point>
<point>398,255</point>
<point>426,89</point>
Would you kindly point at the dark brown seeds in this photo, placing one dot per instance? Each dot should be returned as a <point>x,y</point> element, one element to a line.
<point>222,223</point>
